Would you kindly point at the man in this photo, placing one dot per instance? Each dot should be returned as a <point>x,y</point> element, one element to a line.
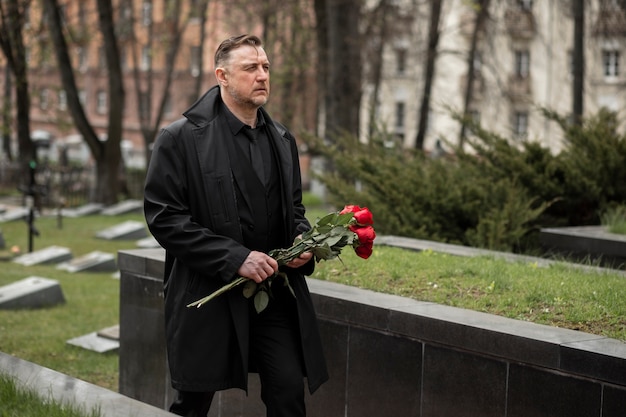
<point>217,217</point>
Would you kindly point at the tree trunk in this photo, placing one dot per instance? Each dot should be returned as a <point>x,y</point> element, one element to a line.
<point>343,66</point>
<point>12,43</point>
<point>6,114</point>
<point>145,87</point>
<point>429,71</point>
<point>481,17</point>
<point>578,60</point>
<point>110,166</point>
<point>378,34</point>
<point>107,154</point>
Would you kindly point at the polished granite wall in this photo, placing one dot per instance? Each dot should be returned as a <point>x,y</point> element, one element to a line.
<point>393,356</point>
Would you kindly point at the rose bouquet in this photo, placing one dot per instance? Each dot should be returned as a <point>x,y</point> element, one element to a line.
<point>352,226</point>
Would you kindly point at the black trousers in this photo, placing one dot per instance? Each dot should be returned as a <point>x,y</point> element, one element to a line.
<point>276,351</point>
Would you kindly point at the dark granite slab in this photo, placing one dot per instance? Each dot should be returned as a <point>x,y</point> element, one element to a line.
<point>65,389</point>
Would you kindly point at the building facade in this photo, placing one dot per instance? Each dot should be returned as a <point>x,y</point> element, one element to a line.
<point>523,62</point>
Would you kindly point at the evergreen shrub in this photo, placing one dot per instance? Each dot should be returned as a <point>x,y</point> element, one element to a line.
<point>496,196</point>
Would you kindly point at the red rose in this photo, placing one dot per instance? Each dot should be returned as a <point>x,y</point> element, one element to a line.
<point>350,209</point>
<point>365,234</point>
<point>364,217</point>
<point>364,251</point>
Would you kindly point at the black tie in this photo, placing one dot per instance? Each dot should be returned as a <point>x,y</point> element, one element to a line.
<point>255,153</point>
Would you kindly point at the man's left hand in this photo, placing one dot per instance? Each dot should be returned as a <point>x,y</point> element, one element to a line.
<point>300,260</point>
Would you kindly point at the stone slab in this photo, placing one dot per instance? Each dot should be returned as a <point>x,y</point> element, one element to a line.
<point>95,261</point>
<point>112,332</point>
<point>31,292</point>
<point>18,213</point>
<point>51,254</point>
<point>84,210</point>
<point>94,342</point>
<point>128,230</point>
<point>126,206</point>
<point>148,243</point>
<point>66,389</point>
<point>593,243</point>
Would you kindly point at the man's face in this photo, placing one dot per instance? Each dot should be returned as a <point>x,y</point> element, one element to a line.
<point>247,76</point>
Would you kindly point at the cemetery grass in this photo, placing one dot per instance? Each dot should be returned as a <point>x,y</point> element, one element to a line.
<point>18,401</point>
<point>559,295</point>
<point>92,299</point>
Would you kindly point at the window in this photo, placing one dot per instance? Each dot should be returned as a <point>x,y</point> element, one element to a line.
<point>101,104</point>
<point>168,108</point>
<point>194,65</point>
<point>520,123</point>
<point>522,63</point>
<point>400,61</point>
<point>26,16</point>
<point>82,97</point>
<point>62,100</point>
<point>146,13</point>
<point>610,63</point>
<point>102,58</point>
<point>123,58</point>
<point>478,61</point>
<point>43,98</point>
<point>400,108</point>
<point>525,4</point>
<point>82,15</point>
<point>146,59</point>
<point>81,58</point>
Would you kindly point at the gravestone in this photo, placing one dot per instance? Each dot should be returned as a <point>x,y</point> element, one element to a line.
<point>84,210</point>
<point>31,292</point>
<point>128,230</point>
<point>13,214</point>
<point>126,206</point>
<point>95,261</point>
<point>148,243</point>
<point>105,340</point>
<point>51,254</point>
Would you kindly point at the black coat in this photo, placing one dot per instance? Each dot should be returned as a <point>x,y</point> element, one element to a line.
<point>191,210</point>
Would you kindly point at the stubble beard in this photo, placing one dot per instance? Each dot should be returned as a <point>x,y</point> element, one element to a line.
<point>249,102</point>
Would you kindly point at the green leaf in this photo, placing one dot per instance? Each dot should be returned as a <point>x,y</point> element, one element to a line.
<point>322,252</point>
<point>325,229</point>
<point>327,219</point>
<point>344,219</point>
<point>333,240</point>
<point>261,300</point>
<point>249,289</point>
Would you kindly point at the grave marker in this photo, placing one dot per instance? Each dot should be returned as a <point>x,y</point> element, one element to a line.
<point>148,243</point>
<point>31,292</point>
<point>84,210</point>
<point>126,206</point>
<point>128,230</point>
<point>51,254</point>
<point>105,340</point>
<point>95,261</point>
<point>18,213</point>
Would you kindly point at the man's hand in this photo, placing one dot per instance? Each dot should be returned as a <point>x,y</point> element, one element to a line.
<point>258,266</point>
<point>300,260</point>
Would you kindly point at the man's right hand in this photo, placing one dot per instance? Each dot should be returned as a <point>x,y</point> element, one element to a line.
<point>258,266</point>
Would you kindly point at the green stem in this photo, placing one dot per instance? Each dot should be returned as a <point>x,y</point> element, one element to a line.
<point>222,290</point>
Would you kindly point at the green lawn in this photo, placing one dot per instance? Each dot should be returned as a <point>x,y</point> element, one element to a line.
<point>559,295</point>
<point>19,402</point>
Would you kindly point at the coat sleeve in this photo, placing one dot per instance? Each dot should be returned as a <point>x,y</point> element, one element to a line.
<point>176,217</point>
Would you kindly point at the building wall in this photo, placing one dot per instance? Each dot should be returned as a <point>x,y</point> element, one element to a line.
<point>545,31</point>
